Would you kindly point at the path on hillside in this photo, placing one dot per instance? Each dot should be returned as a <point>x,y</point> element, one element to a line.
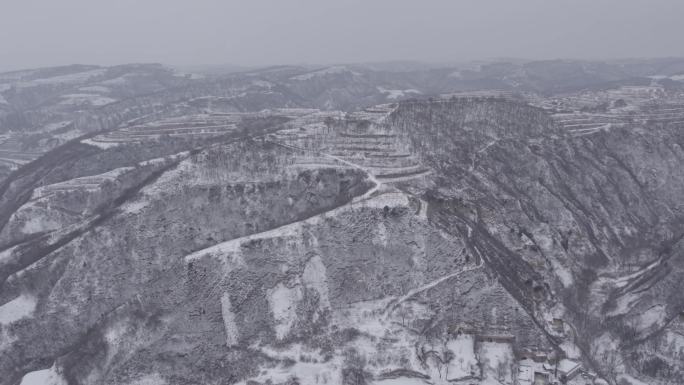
<point>283,229</point>
<point>369,174</point>
<point>413,292</point>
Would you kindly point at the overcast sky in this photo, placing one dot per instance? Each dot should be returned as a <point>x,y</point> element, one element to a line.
<point>37,33</point>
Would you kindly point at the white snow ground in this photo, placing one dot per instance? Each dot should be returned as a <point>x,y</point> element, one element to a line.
<point>16,309</point>
<point>396,94</point>
<point>44,377</point>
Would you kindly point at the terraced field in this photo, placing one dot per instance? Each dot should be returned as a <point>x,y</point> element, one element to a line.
<point>183,127</point>
<point>12,155</point>
<point>588,113</point>
<point>365,143</point>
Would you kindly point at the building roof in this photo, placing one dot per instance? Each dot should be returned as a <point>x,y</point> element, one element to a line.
<point>567,366</point>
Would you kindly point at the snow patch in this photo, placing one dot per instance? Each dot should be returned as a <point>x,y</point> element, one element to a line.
<point>326,71</point>
<point>571,350</point>
<point>150,379</point>
<point>162,160</point>
<point>315,277</point>
<point>456,75</point>
<point>100,144</point>
<point>396,94</point>
<point>464,362</point>
<point>382,234</point>
<point>69,135</point>
<point>661,77</point>
<point>629,380</point>
<point>37,224</point>
<point>188,75</point>
<point>18,308</point>
<point>96,89</point>
<point>135,207</point>
<point>114,334</point>
<point>7,254</point>
<point>390,200</point>
<point>562,273</point>
<point>283,302</point>
<point>262,83</point>
<point>496,359</point>
<point>49,376</point>
<point>117,81</point>
<point>55,126</point>
<point>92,99</point>
<point>78,77</point>
<point>422,214</point>
<point>624,280</point>
<point>229,320</point>
<point>92,182</point>
<point>652,317</point>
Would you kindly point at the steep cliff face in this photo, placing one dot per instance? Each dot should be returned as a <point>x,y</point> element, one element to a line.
<point>447,241</point>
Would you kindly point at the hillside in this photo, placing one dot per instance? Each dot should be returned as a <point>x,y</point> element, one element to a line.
<point>343,225</point>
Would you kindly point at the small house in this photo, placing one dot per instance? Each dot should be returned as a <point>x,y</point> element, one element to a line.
<point>541,378</point>
<point>558,325</point>
<point>535,354</point>
<point>568,369</point>
<point>525,374</point>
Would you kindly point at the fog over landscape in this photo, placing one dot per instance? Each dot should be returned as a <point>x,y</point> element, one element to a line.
<point>39,33</point>
<point>340,192</point>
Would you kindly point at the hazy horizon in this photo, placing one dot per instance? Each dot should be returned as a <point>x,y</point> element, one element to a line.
<point>40,33</point>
